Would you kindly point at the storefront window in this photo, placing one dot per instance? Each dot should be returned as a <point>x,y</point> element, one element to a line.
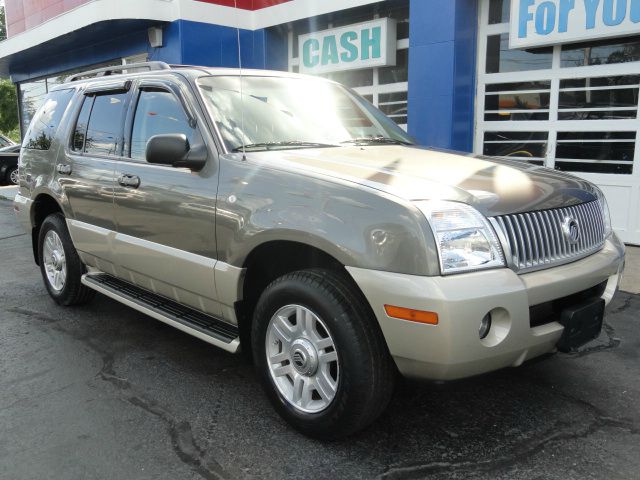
<point>517,101</point>
<point>600,98</point>
<point>601,53</point>
<point>499,11</point>
<point>501,59</point>
<point>596,152</point>
<point>385,87</point>
<point>528,146</point>
<point>572,107</point>
<point>353,78</point>
<point>397,73</point>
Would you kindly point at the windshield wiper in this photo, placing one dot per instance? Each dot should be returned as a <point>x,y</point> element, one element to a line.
<point>283,144</point>
<point>379,140</point>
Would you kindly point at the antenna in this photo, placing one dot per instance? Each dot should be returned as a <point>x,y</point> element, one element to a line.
<point>244,153</point>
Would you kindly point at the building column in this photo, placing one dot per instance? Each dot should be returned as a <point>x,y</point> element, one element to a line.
<point>442,72</point>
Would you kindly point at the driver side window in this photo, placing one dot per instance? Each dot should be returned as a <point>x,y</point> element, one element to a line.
<point>158,112</point>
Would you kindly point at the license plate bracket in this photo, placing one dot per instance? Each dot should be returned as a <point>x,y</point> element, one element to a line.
<point>582,323</point>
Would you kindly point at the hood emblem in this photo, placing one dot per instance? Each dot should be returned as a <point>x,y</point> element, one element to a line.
<point>571,230</point>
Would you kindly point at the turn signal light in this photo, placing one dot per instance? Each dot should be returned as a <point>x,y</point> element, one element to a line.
<point>411,315</point>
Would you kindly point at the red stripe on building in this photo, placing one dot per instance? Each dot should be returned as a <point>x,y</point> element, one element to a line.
<point>22,15</point>
<point>246,4</point>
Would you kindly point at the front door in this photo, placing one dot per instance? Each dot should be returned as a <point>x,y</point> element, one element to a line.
<point>165,216</point>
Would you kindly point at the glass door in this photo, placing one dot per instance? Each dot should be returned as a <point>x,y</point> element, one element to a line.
<point>573,108</point>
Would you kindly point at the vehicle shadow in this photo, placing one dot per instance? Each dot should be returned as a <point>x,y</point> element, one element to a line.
<point>220,422</point>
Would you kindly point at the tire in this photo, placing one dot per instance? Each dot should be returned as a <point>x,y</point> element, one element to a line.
<point>60,264</point>
<point>354,374</point>
<point>12,176</point>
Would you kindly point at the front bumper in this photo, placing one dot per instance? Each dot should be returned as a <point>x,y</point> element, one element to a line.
<point>452,349</point>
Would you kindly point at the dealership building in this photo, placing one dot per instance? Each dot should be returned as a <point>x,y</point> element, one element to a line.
<point>548,82</point>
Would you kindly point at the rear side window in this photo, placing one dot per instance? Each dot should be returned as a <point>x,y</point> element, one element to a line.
<point>46,121</point>
<point>99,126</point>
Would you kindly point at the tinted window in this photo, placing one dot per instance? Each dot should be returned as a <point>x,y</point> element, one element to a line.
<point>499,11</point>
<point>158,112</point>
<point>601,53</point>
<point>45,122</point>
<point>80,132</point>
<point>501,59</point>
<point>397,73</point>
<point>105,125</point>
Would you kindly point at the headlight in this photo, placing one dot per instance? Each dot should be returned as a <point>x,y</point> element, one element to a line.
<point>466,240</point>
<point>606,215</point>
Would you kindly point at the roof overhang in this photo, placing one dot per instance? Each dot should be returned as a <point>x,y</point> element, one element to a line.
<point>57,33</point>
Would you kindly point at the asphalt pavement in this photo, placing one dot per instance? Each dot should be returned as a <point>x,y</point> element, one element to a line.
<point>102,391</point>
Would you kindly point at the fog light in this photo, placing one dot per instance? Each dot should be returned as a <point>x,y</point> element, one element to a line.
<point>485,326</point>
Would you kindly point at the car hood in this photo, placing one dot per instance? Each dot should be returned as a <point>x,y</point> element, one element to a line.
<point>493,186</point>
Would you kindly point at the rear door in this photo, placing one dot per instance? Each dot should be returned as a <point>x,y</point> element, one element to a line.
<point>165,216</point>
<point>86,171</point>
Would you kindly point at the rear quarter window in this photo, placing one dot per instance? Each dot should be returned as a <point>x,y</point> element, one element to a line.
<point>45,122</point>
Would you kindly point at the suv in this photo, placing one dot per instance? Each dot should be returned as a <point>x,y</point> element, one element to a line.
<point>286,215</point>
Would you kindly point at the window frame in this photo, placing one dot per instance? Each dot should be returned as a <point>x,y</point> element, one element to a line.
<point>93,90</point>
<point>158,85</point>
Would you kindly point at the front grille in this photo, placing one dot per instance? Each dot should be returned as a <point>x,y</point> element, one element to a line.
<point>536,240</point>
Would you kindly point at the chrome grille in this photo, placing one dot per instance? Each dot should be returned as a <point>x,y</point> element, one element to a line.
<point>535,240</point>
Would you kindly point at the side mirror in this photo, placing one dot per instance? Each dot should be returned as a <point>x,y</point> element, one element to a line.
<point>174,149</point>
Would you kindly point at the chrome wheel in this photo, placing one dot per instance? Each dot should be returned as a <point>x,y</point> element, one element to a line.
<point>302,359</point>
<point>55,262</point>
<point>13,176</point>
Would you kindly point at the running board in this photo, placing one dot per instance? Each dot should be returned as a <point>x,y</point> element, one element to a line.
<point>205,327</point>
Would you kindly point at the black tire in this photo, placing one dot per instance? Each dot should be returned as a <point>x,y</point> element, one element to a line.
<point>11,173</point>
<point>367,372</point>
<point>73,292</point>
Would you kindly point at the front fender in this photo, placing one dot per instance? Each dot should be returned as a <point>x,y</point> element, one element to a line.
<point>356,225</point>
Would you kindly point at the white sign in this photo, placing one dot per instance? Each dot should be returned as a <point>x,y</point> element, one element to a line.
<point>365,45</point>
<point>548,22</point>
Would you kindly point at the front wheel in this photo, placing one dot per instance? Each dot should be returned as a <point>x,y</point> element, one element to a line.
<point>60,264</point>
<point>320,355</point>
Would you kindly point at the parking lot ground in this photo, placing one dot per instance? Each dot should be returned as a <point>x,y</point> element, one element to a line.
<point>102,391</point>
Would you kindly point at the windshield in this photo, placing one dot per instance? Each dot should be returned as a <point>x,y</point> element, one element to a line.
<point>282,113</point>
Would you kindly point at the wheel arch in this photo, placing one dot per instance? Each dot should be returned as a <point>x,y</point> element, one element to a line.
<point>43,206</point>
<point>271,260</point>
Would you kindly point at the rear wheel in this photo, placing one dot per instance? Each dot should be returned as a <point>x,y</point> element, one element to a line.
<point>60,264</point>
<point>320,355</point>
<point>12,176</point>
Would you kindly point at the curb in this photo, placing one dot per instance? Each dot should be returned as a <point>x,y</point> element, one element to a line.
<point>11,192</point>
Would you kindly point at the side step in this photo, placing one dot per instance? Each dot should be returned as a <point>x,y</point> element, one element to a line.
<point>210,329</point>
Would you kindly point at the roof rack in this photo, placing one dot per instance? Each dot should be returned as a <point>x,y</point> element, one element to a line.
<point>106,71</point>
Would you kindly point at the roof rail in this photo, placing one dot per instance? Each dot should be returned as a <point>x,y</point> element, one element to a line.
<point>106,71</point>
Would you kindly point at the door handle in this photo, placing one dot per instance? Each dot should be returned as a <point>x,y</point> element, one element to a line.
<point>129,180</point>
<point>63,169</point>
